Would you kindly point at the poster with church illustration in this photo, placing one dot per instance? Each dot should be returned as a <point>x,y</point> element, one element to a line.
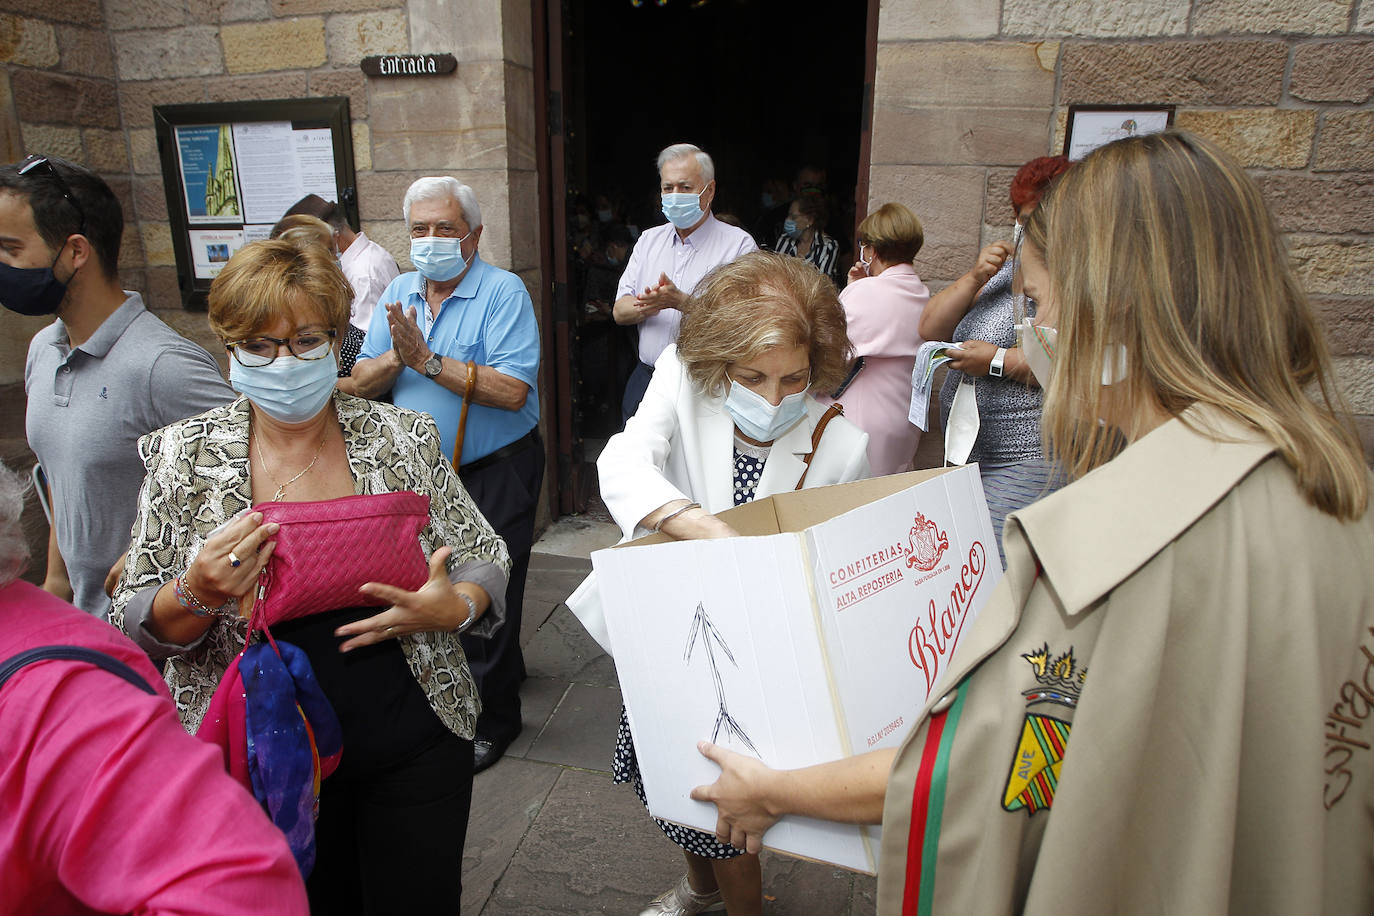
<point>818,637</point>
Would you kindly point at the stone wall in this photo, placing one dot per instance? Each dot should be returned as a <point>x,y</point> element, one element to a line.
<point>79,79</point>
<point>967,92</point>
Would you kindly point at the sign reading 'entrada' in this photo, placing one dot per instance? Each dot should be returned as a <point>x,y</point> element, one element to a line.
<point>409,64</point>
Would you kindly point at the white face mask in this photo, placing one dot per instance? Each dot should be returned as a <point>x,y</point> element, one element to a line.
<point>1037,348</point>
<point>1040,344</point>
<point>760,420</point>
<point>962,429</point>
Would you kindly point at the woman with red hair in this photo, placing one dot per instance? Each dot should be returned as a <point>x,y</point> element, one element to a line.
<point>978,311</point>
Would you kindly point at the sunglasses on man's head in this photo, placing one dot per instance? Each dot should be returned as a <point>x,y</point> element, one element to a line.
<point>40,165</point>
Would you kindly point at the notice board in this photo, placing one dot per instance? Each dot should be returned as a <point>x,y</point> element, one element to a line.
<point>230,170</point>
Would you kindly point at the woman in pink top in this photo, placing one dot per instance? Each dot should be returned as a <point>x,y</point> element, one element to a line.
<point>883,304</point>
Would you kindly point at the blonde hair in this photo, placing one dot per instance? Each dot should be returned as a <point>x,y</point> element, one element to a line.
<point>894,233</point>
<point>1164,246</point>
<point>757,302</point>
<point>265,280</point>
<point>304,228</point>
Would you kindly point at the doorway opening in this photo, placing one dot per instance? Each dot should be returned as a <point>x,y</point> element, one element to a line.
<point>772,89</point>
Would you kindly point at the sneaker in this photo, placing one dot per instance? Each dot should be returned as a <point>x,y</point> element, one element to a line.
<point>681,900</point>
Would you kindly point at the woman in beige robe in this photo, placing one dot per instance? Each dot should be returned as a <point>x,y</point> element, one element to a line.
<point>1167,705</point>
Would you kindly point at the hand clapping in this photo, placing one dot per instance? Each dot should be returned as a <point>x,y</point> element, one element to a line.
<point>406,337</point>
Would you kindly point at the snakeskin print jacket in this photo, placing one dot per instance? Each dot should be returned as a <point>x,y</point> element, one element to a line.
<point>198,478</point>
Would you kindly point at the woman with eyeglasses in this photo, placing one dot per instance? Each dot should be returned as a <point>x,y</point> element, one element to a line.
<point>727,419</point>
<point>978,311</point>
<point>392,817</point>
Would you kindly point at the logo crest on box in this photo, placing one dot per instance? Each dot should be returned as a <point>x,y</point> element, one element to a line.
<point>1039,755</point>
<point>928,544</point>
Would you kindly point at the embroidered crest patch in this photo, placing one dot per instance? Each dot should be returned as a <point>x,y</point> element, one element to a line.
<point>1039,754</point>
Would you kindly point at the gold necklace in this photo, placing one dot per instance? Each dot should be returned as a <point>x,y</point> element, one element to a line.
<point>281,488</point>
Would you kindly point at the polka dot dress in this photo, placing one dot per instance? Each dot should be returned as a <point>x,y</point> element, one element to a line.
<point>625,768</point>
<point>348,353</point>
<point>749,461</point>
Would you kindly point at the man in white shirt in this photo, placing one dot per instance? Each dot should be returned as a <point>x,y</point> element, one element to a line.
<point>368,266</point>
<point>669,260</point>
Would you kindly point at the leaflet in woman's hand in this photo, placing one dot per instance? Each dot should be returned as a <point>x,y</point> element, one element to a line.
<point>930,356</point>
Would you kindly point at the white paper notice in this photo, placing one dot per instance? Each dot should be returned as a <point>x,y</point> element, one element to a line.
<point>212,248</point>
<point>257,233</point>
<point>268,173</point>
<point>315,159</point>
<point>1092,129</point>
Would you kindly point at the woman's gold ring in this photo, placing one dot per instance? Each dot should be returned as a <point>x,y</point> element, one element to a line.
<point>388,629</point>
<point>234,561</point>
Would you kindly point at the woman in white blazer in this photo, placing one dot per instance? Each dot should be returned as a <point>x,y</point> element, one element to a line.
<point>728,418</point>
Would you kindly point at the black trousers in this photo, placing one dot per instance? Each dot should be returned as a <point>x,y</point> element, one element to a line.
<point>394,815</point>
<point>634,390</point>
<point>391,840</point>
<point>507,492</point>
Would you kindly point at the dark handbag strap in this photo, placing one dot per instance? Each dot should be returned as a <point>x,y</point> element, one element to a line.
<point>468,391</point>
<point>75,654</point>
<point>836,409</point>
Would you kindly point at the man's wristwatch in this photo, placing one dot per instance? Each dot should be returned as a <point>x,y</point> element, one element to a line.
<point>995,367</point>
<point>433,366</point>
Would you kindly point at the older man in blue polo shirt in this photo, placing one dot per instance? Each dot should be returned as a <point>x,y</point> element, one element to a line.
<point>459,330</point>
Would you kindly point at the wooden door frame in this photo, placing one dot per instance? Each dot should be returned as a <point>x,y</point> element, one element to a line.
<point>861,182</point>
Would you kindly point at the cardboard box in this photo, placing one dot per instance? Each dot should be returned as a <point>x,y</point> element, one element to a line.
<point>818,636</point>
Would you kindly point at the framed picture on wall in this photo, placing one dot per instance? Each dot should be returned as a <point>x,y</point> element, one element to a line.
<point>1091,126</point>
<point>230,170</point>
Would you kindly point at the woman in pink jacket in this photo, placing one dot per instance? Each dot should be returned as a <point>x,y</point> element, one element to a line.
<point>883,304</point>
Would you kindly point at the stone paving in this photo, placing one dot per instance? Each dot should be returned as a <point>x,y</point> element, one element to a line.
<point>549,832</point>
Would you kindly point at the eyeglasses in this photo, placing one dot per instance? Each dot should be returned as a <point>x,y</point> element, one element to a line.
<point>41,165</point>
<point>253,352</point>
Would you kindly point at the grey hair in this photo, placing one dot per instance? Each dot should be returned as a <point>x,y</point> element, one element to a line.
<point>444,188</point>
<point>682,151</point>
<point>14,547</point>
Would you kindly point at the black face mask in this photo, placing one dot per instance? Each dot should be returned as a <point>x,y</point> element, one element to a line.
<point>32,290</point>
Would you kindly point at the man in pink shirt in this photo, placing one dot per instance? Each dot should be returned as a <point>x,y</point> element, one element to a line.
<point>669,260</point>
<point>106,804</point>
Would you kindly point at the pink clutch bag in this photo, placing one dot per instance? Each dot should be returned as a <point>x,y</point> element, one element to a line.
<point>327,549</point>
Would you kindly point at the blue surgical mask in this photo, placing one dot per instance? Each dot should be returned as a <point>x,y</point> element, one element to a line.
<point>438,258</point>
<point>791,229</point>
<point>758,419</point>
<point>288,389</point>
<point>683,209</point>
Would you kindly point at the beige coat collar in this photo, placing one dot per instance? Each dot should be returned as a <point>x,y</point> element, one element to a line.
<point>1123,513</point>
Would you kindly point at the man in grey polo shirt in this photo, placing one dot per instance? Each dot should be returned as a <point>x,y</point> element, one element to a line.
<point>103,374</point>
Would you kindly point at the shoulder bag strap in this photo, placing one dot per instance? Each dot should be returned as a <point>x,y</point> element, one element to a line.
<point>836,409</point>
<point>75,654</point>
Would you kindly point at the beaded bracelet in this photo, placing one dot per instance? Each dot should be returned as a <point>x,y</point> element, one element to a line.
<point>190,601</point>
<point>674,514</point>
